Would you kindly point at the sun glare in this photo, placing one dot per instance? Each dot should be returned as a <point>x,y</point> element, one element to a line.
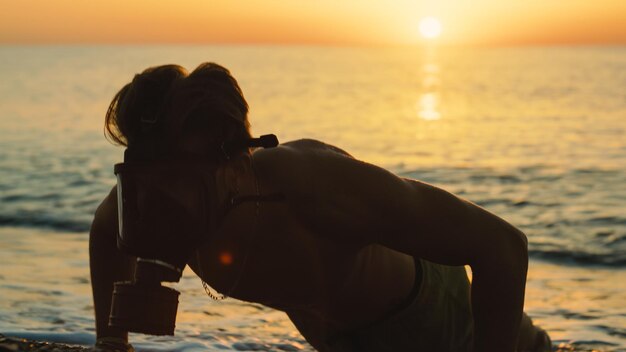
<point>430,27</point>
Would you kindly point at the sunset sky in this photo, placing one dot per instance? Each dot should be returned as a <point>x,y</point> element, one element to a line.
<point>326,22</point>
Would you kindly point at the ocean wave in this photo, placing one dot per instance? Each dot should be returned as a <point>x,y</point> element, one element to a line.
<point>579,257</point>
<point>46,222</point>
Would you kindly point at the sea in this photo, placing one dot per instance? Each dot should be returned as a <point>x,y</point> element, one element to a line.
<point>536,135</point>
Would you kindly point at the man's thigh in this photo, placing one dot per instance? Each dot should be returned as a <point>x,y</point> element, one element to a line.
<point>438,318</point>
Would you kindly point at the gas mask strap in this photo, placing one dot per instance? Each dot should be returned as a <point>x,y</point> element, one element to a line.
<point>265,141</point>
<point>228,147</point>
<point>145,147</point>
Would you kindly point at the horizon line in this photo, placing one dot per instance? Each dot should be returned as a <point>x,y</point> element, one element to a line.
<point>425,44</point>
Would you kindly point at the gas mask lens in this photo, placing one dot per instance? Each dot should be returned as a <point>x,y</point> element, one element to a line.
<point>163,215</point>
<point>163,209</point>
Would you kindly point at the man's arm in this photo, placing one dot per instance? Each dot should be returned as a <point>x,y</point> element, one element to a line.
<point>107,264</point>
<point>361,203</point>
<point>455,230</point>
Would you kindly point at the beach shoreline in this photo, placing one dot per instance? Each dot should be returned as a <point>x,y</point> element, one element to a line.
<point>8,343</point>
<point>17,344</point>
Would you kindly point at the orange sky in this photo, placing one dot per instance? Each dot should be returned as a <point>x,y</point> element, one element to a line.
<point>350,22</point>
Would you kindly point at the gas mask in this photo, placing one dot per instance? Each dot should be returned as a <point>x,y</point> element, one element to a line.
<point>165,211</point>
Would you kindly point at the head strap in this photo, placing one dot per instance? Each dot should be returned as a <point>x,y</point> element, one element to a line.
<point>265,141</point>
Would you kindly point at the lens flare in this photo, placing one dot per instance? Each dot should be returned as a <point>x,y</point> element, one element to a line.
<point>226,258</point>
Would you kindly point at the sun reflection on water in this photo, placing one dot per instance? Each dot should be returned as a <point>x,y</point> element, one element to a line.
<point>427,107</point>
<point>428,102</point>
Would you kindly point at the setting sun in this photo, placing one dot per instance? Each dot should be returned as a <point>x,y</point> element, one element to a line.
<point>430,27</point>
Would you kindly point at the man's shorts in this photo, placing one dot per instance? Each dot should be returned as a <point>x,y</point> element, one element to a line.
<point>437,318</point>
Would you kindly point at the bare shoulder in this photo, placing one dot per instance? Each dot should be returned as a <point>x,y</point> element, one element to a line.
<point>298,167</point>
<point>292,165</point>
<point>314,145</point>
<point>338,195</point>
<point>300,149</point>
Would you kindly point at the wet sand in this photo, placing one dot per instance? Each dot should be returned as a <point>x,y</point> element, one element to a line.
<point>12,344</point>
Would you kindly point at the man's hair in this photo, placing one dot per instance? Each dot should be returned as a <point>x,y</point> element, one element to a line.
<point>207,104</point>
